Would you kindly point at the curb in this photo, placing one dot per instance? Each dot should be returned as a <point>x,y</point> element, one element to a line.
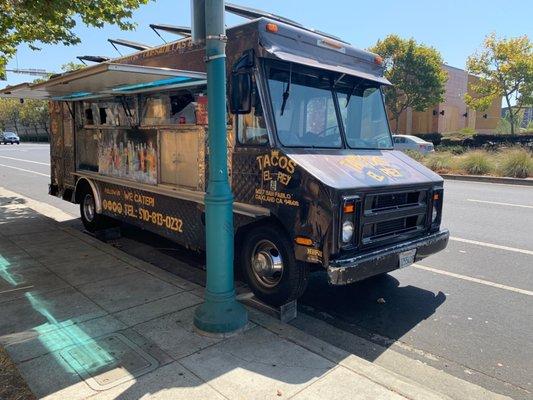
<point>489,179</point>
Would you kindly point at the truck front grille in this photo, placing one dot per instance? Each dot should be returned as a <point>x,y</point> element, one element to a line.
<point>387,201</point>
<point>393,217</point>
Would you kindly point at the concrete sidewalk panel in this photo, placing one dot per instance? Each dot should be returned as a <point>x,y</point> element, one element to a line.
<point>92,269</point>
<point>56,250</point>
<point>18,281</point>
<point>43,312</point>
<point>131,290</point>
<point>158,308</point>
<point>26,226</point>
<point>19,259</point>
<point>257,365</point>
<point>35,344</point>
<point>108,361</point>
<point>66,254</point>
<point>171,382</point>
<point>175,335</point>
<point>342,384</point>
<point>50,377</point>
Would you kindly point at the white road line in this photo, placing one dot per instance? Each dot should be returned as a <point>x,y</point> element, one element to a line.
<point>25,170</point>
<point>29,161</point>
<point>499,204</point>
<point>475,280</point>
<point>494,246</point>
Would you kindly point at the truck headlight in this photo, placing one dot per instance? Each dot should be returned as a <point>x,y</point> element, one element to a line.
<point>434,214</point>
<point>347,231</point>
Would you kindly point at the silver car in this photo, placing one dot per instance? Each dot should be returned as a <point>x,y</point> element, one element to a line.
<point>9,137</point>
<point>409,142</point>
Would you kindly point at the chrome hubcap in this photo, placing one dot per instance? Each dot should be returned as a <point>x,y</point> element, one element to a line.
<point>267,264</point>
<point>88,207</point>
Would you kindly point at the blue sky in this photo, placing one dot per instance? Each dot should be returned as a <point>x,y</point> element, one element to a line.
<point>455,28</point>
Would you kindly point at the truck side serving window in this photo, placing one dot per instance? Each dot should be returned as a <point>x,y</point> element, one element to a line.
<point>251,128</point>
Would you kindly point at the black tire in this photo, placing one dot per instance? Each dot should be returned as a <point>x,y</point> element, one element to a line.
<point>280,288</point>
<point>18,142</point>
<point>92,221</point>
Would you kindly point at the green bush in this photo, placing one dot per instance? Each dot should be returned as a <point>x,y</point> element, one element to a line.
<point>516,163</point>
<point>477,163</point>
<point>442,162</point>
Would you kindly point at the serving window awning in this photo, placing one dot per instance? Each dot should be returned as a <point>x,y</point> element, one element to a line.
<point>104,80</point>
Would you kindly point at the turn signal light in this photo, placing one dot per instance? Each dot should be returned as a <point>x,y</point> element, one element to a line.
<point>436,196</point>
<point>303,241</point>
<point>349,208</point>
<point>272,28</point>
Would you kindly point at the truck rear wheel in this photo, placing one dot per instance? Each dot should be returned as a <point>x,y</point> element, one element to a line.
<point>92,221</point>
<point>268,264</point>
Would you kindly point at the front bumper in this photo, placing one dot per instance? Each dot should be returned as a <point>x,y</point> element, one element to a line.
<point>365,265</point>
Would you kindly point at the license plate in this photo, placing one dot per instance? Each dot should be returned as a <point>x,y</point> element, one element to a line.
<point>406,258</point>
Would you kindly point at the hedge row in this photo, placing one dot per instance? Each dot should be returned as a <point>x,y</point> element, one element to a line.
<point>478,140</point>
<point>34,138</point>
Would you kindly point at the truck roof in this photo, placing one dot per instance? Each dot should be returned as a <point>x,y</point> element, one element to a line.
<point>287,42</point>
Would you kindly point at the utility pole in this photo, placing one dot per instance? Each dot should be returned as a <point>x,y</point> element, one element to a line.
<point>220,313</point>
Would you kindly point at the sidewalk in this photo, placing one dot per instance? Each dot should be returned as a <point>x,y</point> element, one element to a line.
<point>81,319</point>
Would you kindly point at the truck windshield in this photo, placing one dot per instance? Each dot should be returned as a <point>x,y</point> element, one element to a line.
<point>363,115</point>
<point>303,104</point>
<point>304,109</point>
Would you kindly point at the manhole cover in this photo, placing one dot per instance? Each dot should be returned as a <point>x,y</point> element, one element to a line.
<point>108,361</point>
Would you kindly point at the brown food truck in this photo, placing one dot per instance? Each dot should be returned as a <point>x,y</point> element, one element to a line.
<point>316,182</point>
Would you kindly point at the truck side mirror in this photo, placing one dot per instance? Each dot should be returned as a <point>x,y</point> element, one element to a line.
<point>241,84</point>
<point>241,93</point>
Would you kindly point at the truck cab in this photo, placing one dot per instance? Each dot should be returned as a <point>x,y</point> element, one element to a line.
<point>325,167</point>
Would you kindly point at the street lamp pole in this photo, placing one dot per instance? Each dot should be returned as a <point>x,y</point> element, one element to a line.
<point>220,313</point>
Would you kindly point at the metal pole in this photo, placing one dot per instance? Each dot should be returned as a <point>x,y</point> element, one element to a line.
<point>220,313</point>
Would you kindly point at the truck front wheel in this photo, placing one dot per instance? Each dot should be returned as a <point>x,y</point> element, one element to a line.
<point>268,264</point>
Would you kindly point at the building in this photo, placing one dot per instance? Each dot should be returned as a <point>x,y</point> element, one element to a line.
<point>453,114</point>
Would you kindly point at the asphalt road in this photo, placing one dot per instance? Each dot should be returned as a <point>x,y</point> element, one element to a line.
<point>467,310</point>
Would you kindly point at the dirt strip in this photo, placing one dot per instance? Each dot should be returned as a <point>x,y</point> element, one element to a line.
<point>12,386</point>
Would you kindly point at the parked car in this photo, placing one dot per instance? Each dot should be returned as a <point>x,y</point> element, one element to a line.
<point>409,142</point>
<point>9,137</point>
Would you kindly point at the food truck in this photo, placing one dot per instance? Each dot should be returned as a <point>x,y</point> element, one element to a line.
<point>316,182</point>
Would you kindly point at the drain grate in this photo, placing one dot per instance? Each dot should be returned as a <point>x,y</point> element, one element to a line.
<point>108,361</point>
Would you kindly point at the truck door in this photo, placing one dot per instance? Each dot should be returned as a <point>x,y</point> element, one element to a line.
<point>62,144</point>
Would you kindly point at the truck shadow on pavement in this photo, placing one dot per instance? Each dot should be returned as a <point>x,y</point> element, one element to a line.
<point>378,310</point>
<point>79,321</point>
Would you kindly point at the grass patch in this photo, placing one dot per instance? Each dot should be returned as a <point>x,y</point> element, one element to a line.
<point>441,162</point>
<point>415,155</point>
<point>477,163</point>
<point>516,163</point>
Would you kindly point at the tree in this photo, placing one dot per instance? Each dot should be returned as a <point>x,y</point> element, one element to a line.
<point>504,68</point>
<point>415,70</point>
<point>52,22</point>
<point>34,113</point>
<point>71,66</point>
<point>9,113</point>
